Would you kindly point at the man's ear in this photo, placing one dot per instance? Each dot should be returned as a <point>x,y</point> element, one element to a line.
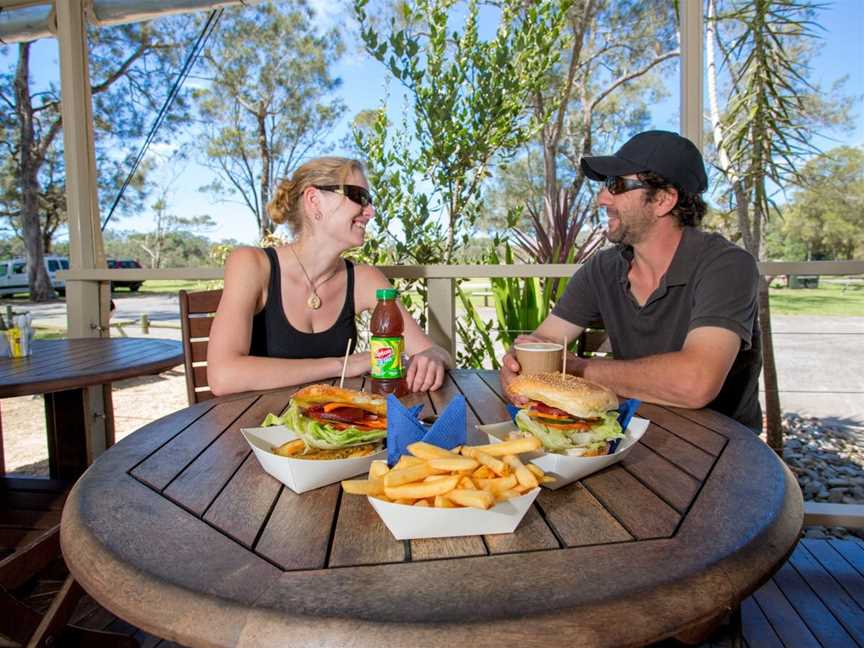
<point>665,201</point>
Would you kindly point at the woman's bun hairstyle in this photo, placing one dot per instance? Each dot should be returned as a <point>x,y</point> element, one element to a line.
<point>286,205</point>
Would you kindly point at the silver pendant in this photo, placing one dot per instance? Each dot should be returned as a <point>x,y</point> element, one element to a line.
<point>314,301</point>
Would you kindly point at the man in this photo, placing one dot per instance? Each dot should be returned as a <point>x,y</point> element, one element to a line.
<point>679,304</point>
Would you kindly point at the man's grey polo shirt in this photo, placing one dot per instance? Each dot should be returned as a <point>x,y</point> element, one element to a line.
<point>710,282</point>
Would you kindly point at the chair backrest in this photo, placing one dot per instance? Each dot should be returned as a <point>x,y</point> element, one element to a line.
<point>196,318</point>
<point>593,340</point>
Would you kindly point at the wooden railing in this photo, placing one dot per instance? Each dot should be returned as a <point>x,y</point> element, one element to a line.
<point>440,281</point>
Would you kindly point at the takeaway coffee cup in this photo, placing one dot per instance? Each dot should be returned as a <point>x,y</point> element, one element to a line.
<point>538,357</point>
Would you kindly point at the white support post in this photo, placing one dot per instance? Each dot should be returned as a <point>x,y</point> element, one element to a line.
<point>441,317</point>
<point>692,70</point>
<point>87,309</point>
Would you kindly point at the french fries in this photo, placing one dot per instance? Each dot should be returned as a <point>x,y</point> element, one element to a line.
<point>467,476</point>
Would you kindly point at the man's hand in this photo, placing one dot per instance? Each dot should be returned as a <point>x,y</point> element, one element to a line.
<point>510,368</point>
<point>426,371</point>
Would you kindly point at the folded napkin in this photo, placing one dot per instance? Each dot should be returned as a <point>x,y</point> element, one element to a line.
<point>404,428</point>
<point>626,410</point>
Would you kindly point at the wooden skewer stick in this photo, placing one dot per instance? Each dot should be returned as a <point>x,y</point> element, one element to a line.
<point>564,358</point>
<point>345,363</point>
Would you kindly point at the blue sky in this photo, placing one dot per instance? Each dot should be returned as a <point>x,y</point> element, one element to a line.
<point>363,82</point>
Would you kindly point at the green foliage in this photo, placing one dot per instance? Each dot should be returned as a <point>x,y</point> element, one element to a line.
<point>825,219</point>
<point>469,105</point>
<point>269,103</point>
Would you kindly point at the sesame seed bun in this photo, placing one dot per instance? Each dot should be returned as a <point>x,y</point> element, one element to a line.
<point>575,396</point>
<point>317,394</point>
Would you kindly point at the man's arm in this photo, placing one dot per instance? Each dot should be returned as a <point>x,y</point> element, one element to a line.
<point>691,377</point>
<point>552,329</point>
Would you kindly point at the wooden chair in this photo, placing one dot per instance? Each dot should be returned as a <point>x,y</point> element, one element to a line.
<point>196,318</point>
<point>593,340</point>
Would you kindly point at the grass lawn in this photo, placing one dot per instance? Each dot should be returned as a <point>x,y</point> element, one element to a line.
<point>828,299</point>
<point>173,286</point>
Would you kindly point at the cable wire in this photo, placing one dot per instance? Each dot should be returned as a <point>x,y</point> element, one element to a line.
<point>191,58</point>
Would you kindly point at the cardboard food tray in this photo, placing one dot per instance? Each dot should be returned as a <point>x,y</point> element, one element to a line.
<point>301,475</point>
<point>412,522</point>
<point>565,468</point>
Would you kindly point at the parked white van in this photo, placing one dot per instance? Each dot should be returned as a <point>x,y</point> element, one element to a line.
<point>13,275</point>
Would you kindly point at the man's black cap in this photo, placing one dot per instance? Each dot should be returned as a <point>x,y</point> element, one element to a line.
<point>667,154</point>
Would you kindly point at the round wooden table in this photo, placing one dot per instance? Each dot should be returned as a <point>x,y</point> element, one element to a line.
<point>62,370</point>
<point>178,530</point>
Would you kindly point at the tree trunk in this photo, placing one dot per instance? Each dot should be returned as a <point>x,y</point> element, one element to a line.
<point>773,417</point>
<point>264,149</point>
<point>28,181</point>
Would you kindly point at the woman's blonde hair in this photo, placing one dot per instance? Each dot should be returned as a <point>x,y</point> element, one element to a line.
<point>285,206</point>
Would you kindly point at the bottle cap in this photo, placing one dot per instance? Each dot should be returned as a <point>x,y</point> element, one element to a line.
<point>386,293</point>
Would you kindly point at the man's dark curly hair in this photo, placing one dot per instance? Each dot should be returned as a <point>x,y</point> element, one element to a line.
<point>690,208</point>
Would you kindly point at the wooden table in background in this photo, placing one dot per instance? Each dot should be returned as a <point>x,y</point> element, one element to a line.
<point>177,530</point>
<point>62,370</point>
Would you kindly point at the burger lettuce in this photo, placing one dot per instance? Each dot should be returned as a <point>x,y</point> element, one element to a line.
<point>560,440</point>
<point>318,434</point>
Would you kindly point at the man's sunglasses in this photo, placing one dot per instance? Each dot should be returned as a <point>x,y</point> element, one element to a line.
<point>359,195</point>
<point>617,185</point>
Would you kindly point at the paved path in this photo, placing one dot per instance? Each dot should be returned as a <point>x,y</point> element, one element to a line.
<point>819,359</point>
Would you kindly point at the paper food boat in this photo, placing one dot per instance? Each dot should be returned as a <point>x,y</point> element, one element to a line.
<point>412,522</point>
<point>301,475</point>
<point>565,468</point>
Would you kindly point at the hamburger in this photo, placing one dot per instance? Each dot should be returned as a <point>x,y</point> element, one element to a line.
<point>334,419</point>
<point>569,415</point>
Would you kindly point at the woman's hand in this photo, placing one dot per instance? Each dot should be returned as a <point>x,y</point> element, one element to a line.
<point>426,371</point>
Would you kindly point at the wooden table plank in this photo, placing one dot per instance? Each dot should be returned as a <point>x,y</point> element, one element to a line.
<point>168,461</point>
<point>677,451</point>
<point>782,616</point>
<point>492,378</point>
<point>851,550</point>
<point>430,548</point>
<point>703,437</point>
<point>361,538</point>
<point>837,599</point>
<point>675,486</point>
<point>636,507</point>
<point>578,518</point>
<point>811,609</point>
<point>532,534</point>
<point>242,507</point>
<point>297,534</point>
<point>487,405</point>
<point>758,633</point>
<point>201,481</point>
<point>841,569</point>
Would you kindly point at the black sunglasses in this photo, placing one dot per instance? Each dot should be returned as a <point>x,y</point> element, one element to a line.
<point>359,195</point>
<point>617,185</point>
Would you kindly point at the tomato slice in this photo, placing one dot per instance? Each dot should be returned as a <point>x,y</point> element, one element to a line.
<point>546,409</point>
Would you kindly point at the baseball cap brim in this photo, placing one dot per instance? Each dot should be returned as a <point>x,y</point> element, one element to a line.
<point>600,167</point>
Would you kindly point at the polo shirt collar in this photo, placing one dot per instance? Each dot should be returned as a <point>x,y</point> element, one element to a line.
<point>685,258</point>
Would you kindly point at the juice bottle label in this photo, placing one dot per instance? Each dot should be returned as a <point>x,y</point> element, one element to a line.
<point>386,353</point>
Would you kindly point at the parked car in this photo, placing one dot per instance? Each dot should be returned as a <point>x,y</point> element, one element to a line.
<point>13,275</point>
<point>133,286</point>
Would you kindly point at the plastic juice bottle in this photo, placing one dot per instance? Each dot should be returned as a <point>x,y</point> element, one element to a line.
<point>387,345</point>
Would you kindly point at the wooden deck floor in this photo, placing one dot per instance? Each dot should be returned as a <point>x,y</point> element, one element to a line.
<point>815,600</point>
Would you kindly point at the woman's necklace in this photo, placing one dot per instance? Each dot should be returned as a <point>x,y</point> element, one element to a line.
<point>314,301</point>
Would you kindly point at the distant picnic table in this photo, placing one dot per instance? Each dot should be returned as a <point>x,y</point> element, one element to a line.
<point>178,530</point>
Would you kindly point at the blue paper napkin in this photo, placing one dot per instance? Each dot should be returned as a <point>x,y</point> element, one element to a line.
<point>626,410</point>
<point>404,428</point>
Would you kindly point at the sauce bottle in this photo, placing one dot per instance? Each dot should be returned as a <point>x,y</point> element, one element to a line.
<point>387,345</point>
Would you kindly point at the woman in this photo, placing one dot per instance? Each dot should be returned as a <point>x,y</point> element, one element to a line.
<point>287,313</point>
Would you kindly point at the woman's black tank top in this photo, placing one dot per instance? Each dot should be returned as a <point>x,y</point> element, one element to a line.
<point>274,337</point>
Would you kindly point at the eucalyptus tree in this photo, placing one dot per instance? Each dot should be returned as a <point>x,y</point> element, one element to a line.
<point>269,101</point>
<point>131,69</point>
<point>763,131</point>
